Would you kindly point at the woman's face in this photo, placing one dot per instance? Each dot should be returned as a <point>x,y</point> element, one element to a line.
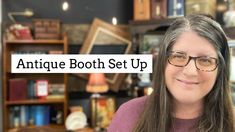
<point>187,84</point>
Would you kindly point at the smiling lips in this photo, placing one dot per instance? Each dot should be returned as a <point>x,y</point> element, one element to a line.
<point>187,82</point>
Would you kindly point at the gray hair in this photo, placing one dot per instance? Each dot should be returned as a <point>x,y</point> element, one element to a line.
<point>217,115</point>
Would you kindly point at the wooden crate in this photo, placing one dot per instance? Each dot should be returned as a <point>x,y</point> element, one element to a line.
<point>47,28</point>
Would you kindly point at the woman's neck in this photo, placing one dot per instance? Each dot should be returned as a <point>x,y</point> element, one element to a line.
<point>187,111</point>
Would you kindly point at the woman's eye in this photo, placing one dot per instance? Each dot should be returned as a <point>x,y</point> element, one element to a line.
<point>179,57</point>
<point>205,61</point>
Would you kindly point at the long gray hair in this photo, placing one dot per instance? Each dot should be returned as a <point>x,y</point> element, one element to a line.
<point>217,114</point>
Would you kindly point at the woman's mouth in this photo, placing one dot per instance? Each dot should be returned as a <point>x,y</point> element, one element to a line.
<point>188,82</point>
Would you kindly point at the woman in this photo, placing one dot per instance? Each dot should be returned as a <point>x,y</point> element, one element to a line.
<point>191,84</point>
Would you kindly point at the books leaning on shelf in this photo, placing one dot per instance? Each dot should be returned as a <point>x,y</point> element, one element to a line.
<point>36,115</point>
<point>18,86</point>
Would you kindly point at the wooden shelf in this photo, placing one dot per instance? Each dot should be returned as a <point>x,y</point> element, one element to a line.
<point>35,101</point>
<point>35,41</point>
<point>47,128</point>
<point>60,104</point>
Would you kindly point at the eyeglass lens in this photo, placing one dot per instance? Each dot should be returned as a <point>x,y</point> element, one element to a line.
<point>203,63</point>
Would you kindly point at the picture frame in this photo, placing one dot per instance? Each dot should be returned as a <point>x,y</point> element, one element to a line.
<point>150,43</point>
<point>102,111</point>
<point>104,38</point>
<point>42,88</point>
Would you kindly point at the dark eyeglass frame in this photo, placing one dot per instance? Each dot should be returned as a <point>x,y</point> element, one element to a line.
<point>191,58</point>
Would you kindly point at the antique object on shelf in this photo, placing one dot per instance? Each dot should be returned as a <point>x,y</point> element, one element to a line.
<point>75,121</point>
<point>26,12</point>
<point>175,8</point>
<point>142,9</point>
<point>158,9</point>
<point>18,32</point>
<point>97,83</point>
<point>200,6</point>
<point>47,28</point>
<point>102,111</point>
<point>229,17</point>
<point>144,79</point>
<point>28,110</point>
<point>102,108</point>
<point>42,88</point>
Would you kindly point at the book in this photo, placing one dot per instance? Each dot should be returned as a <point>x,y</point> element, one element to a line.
<point>24,115</point>
<point>141,9</point>
<point>31,89</point>
<point>42,115</point>
<point>17,89</point>
<point>158,9</point>
<point>16,116</point>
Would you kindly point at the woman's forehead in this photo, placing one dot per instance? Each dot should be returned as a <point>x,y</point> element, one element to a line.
<point>191,42</point>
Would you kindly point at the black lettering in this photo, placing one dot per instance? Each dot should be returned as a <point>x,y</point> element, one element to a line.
<point>20,63</point>
<point>112,63</point>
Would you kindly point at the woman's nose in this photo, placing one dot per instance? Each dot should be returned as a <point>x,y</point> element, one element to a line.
<point>190,69</point>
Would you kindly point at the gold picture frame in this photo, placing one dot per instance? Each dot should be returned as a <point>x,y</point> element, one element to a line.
<point>102,34</point>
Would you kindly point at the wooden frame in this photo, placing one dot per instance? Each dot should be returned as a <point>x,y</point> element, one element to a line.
<point>104,34</point>
<point>102,111</point>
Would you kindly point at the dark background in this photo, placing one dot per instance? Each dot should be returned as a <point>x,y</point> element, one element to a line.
<point>80,11</point>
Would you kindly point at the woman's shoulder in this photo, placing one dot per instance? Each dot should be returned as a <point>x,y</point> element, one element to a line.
<point>134,103</point>
<point>128,113</point>
<point>132,107</point>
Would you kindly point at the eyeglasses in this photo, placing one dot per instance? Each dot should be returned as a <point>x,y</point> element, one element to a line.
<point>203,63</point>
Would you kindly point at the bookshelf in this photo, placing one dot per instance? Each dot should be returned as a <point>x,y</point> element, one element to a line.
<point>53,104</point>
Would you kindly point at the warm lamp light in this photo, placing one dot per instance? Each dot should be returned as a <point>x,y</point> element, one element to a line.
<point>97,83</point>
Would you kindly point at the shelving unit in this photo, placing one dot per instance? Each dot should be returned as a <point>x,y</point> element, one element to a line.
<point>33,46</point>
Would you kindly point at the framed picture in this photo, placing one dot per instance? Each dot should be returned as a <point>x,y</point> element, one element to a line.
<point>102,111</point>
<point>150,43</point>
<point>41,88</point>
<point>104,38</point>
